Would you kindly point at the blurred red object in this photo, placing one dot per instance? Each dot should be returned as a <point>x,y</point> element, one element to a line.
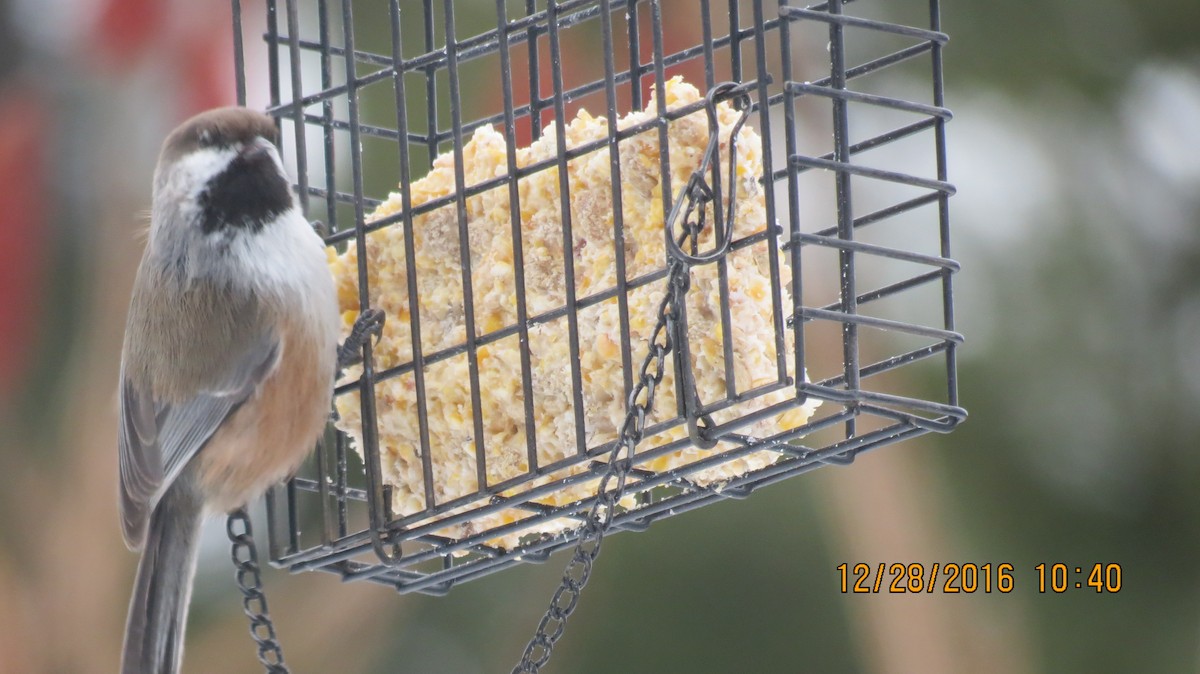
<point>582,64</point>
<point>126,29</point>
<point>205,63</point>
<point>25,123</point>
<point>197,45</point>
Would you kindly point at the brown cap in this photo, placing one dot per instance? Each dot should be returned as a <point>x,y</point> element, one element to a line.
<point>222,127</point>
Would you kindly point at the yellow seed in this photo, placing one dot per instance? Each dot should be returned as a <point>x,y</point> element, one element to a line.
<point>606,347</point>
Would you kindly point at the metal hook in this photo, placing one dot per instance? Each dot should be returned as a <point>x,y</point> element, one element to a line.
<point>387,549</point>
<point>698,192</point>
<point>696,195</point>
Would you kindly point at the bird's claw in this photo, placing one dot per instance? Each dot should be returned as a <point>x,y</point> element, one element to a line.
<point>368,323</point>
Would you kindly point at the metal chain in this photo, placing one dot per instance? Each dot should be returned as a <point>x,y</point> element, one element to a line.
<point>600,516</point>
<point>254,602</point>
<point>640,402</point>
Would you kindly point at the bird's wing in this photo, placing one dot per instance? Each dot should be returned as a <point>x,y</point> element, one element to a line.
<point>156,438</point>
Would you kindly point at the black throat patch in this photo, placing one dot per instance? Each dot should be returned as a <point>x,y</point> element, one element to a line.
<point>246,195</point>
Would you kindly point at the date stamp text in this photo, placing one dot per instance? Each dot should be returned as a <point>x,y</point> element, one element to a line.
<point>971,578</point>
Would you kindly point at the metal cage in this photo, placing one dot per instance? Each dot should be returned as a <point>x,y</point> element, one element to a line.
<point>847,100</point>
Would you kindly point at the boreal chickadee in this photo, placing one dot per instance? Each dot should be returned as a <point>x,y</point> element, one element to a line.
<point>228,363</point>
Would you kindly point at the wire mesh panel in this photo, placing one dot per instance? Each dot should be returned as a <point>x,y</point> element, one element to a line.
<point>500,178</point>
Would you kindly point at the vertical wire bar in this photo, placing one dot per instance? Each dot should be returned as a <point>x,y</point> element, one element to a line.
<point>297,115</point>
<point>564,195</point>
<point>298,124</point>
<point>535,80</point>
<point>635,57</point>
<point>735,67</point>
<point>431,106</point>
<point>331,220</point>
<point>845,214</point>
<point>272,40</point>
<point>464,248</point>
<point>329,517</point>
<point>773,231</point>
<point>719,223</point>
<point>514,214</point>
<point>293,29</point>
<point>379,508</point>
<point>239,53</point>
<point>664,159</point>
<point>293,511</point>
<point>239,76</point>
<point>706,31</point>
<point>735,41</point>
<point>793,186</point>
<point>410,253</point>
<point>939,130</point>
<point>614,160</point>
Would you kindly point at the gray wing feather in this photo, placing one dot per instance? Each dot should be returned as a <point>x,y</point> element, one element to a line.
<point>157,438</point>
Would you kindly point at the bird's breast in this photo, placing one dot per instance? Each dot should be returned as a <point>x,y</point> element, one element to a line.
<point>269,436</point>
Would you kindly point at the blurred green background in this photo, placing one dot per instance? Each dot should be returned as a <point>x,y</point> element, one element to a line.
<point>1076,150</point>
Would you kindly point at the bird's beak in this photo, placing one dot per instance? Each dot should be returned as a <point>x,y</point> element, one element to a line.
<point>260,147</point>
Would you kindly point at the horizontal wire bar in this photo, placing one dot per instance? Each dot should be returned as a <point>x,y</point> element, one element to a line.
<point>868,144</point>
<point>366,129</point>
<point>872,99</point>
<point>879,63</point>
<point>859,22</point>
<point>811,313</point>
<point>868,172</point>
<point>872,249</point>
<point>342,197</point>
<point>891,289</point>
<point>885,213</point>
<point>861,396</point>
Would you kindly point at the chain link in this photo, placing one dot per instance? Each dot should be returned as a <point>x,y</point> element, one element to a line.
<point>254,602</point>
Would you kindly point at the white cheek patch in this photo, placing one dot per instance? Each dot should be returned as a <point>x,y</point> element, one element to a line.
<point>200,166</point>
<point>181,187</point>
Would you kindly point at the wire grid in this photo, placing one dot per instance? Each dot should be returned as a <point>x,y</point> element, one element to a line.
<point>856,179</point>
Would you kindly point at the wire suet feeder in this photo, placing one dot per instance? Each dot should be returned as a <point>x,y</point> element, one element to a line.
<point>852,252</point>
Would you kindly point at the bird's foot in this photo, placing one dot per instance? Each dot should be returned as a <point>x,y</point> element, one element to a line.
<point>369,322</point>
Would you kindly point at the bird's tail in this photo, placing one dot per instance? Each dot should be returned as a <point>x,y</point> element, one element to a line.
<point>159,607</point>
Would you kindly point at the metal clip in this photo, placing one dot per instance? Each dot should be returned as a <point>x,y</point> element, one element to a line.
<point>692,202</point>
<point>685,381</point>
<point>698,192</point>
